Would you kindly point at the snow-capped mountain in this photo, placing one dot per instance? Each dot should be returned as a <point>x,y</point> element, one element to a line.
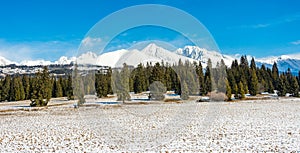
<point>154,53</point>
<point>203,54</point>
<point>284,62</point>
<point>151,53</point>
<point>4,61</point>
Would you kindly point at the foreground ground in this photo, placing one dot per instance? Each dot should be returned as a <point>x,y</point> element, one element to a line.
<point>270,126</point>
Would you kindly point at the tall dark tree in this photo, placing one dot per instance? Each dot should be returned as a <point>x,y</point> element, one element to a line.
<point>6,88</point>
<point>184,93</point>
<point>139,79</point>
<point>295,87</point>
<point>41,89</point>
<point>275,76</point>
<point>199,71</point>
<point>253,88</point>
<point>228,90</point>
<point>282,85</point>
<point>69,88</point>
<point>208,78</point>
<point>122,84</point>
<point>57,89</point>
<point>26,86</point>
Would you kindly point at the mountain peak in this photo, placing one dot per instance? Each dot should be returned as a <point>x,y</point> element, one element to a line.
<point>151,46</point>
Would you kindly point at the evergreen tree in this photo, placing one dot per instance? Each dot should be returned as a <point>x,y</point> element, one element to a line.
<point>184,93</point>
<point>26,86</point>
<point>57,89</point>
<point>282,85</point>
<point>6,88</point>
<point>78,86</point>
<point>122,84</point>
<point>241,91</point>
<point>16,92</point>
<point>253,88</point>
<point>157,90</point>
<point>252,64</point>
<point>207,78</point>
<point>69,88</point>
<point>275,76</point>
<point>228,90</point>
<point>101,84</point>
<point>157,73</point>
<point>139,79</point>
<point>199,71</point>
<point>42,89</point>
<point>295,87</point>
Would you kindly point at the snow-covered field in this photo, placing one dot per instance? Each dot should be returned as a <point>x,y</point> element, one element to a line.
<point>270,126</point>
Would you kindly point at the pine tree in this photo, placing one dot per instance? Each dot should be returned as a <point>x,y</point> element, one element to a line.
<point>14,92</point>
<point>184,93</point>
<point>252,64</point>
<point>208,78</point>
<point>26,86</point>
<point>295,87</point>
<point>6,88</point>
<point>157,90</point>
<point>199,71</point>
<point>58,89</point>
<point>78,86</point>
<point>228,90</point>
<point>122,84</point>
<point>275,76</point>
<point>282,85</point>
<point>241,91</point>
<point>253,88</point>
<point>69,88</point>
<point>42,89</point>
<point>139,80</point>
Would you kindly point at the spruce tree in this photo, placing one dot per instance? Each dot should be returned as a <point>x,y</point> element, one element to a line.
<point>275,76</point>
<point>199,71</point>
<point>282,85</point>
<point>184,93</point>
<point>26,86</point>
<point>253,88</point>
<point>69,88</point>
<point>42,89</point>
<point>78,86</point>
<point>122,84</point>
<point>6,88</point>
<point>208,78</point>
<point>58,89</point>
<point>228,90</point>
<point>241,90</point>
<point>295,87</point>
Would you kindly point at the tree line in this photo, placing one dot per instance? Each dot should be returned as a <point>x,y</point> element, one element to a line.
<point>184,78</point>
<point>39,88</point>
<point>188,78</point>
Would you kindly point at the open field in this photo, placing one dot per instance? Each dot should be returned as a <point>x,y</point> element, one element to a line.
<point>268,125</point>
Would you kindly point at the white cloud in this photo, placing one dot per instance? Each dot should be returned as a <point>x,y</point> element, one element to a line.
<point>261,25</point>
<point>49,50</point>
<point>297,42</point>
<point>89,41</point>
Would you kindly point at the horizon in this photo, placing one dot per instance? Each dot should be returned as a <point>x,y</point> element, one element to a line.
<point>254,28</point>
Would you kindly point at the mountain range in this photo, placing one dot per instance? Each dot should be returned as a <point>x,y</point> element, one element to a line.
<point>154,53</point>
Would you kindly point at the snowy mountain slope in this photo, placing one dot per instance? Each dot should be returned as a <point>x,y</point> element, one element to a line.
<point>151,53</point>
<point>154,53</point>
<point>4,61</point>
<point>284,62</point>
<point>203,54</point>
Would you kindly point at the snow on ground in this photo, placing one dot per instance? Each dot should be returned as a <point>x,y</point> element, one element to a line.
<point>262,126</point>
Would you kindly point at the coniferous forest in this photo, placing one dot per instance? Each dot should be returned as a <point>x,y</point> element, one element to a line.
<point>238,79</point>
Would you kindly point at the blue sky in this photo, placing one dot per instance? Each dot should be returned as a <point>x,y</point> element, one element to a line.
<point>48,29</point>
